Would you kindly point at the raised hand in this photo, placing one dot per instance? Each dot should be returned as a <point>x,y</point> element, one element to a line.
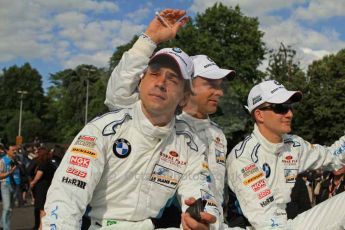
<point>166,24</point>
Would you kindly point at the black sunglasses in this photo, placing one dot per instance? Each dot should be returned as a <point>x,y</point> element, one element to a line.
<point>278,108</point>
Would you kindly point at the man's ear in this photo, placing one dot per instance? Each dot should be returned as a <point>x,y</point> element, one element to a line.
<point>139,83</point>
<point>258,116</point>
<point>184,100</point>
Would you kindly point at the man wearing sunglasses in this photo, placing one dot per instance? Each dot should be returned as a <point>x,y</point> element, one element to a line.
<point>262,169</point>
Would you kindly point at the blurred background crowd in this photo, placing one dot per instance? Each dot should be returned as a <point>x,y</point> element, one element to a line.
<point>26,177</point>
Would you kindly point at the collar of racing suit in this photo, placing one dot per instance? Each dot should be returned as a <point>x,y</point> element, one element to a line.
<point>269,147</point>
<point>147,128</point>
<point>196,123</point>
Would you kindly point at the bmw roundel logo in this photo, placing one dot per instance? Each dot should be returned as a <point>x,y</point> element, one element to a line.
<point>122,148</point>
<point>267,169</point>
<point>276,82</point>
<point>208,58</point>
<point>177,50</point>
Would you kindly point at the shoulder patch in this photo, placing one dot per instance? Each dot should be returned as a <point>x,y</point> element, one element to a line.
<point>238,152</point>
<point>183,128</point>
<point>109,129</point>
<point>290,140</point>
<point>255,153</point>
<point>105,114</point>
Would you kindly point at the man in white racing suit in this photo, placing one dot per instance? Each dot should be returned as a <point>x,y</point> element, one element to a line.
<point>128,163</point>
<point>263,167</point>
<point>207,90</point>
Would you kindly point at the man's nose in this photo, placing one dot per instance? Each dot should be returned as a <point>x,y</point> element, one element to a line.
<point>161,82</point>
<point>289,113</point>
<point>219,92</point>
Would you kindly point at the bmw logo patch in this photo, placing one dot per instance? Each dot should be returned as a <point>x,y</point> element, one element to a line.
<point>122,148</point>
<point>177,50</point>
<point>267,169</point>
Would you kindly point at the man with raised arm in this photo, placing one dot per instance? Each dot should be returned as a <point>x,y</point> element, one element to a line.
<point>207,90</point>
<point>262,169</point>
<point>128,163</point>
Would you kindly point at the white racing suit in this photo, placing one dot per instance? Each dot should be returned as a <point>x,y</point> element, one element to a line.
<point>211,134</point>
<point>121,90</point>
<point>126,169</point>
<point>262,175</point>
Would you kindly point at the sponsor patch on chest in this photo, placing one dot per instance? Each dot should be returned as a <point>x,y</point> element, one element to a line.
<point>83,151</point>
<point>165,176</point>
<point>87,141</point>
<point>122,148</point>
<point>267,201</point>
<point>218,144</point>
<point>289,160</point>
<point>79,161</point>
<point>220,157</point>
<point>75,182</point>
<point>249,170</point>
<point>259,185</point>
<point>172,158</point>
<point>253,178</point>
<point>290,175</point>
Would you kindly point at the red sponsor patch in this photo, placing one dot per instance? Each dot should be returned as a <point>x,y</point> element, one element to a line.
<point>249,167</point>
<point>76,172</point>
<point>80,161</point>
<point>264,193</point>
<point>259,185</point>
<point>173,154</point>
<point>289,157</point>
<point>87,138</point>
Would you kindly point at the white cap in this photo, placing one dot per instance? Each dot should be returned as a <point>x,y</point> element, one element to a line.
<point>183,61</point>
<point>207,68</point>
<point>272,92</point>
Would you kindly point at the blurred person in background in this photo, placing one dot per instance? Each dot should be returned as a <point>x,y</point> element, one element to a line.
<point>321,177</point>
<point>10,184</point>
<point>332,186</point>
<point>44,174</point>
<point>300,198</point>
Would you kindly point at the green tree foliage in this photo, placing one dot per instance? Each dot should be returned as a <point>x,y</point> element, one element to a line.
<point>67,100</point>
<point>233,41</point>
<point>230,38</point>
<point>319,117</point>
<point>32,126</point>
<point>284,67</point>
<point>324,104</point>
<point>23,78</point>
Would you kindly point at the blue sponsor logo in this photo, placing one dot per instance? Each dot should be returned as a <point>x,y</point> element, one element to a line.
<point>340,150</point>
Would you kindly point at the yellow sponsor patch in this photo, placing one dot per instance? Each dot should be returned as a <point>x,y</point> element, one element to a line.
<point>205,165</point>
<point>84,151</point>
<point>253,178</point>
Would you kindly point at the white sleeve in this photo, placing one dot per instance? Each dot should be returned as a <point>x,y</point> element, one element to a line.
<point>123,82</point>
<point>75,180</point>
<point>314,156</point>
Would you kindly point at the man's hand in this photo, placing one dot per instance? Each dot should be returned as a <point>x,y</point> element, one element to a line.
<point>165,26</point>
<point>188,223</point>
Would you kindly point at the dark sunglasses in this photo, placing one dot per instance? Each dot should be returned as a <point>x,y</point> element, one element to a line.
<point>278,108</point>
